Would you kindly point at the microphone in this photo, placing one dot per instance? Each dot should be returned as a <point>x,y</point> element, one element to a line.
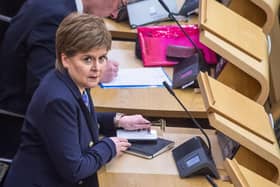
<point>190,164</point>
<point>202,63</point>
<point>189,114</point>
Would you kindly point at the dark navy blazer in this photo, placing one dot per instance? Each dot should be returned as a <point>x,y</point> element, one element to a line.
<point>60,146</point>
<point>28,50</point>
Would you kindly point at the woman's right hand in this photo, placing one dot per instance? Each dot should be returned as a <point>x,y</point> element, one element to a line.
<point>121,144</point>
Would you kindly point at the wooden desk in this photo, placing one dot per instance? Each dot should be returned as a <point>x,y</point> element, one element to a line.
<point>122,30</point>
<point>132,171</point>
<point>155,102</point>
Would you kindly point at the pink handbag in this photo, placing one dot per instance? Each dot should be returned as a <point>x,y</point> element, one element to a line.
<point>153,41</point>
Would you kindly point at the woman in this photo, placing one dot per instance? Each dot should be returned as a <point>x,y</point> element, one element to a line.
<point>60,145</point>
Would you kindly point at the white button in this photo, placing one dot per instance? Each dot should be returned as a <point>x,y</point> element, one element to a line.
<point>90,144</point>
<point>80,182</point>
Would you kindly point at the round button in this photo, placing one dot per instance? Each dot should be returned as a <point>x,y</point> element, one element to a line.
<point>90,144</point>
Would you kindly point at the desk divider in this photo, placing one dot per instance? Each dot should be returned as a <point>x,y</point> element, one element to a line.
<point>265,14</point>
<point>242,43</point>
<point>243,177</point>
<point>236,107</point>
<point>243,120</point>
<point>236,30</point>
<point>260,12</point>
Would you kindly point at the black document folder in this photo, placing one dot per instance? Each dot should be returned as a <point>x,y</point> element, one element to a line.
<point>150,150</point>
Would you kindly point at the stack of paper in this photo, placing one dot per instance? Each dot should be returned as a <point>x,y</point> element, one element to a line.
<point>138,77</point>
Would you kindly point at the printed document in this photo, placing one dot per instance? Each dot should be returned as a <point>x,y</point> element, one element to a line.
<point>138,77</point>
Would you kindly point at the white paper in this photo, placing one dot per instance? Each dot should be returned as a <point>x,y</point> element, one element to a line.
<point>139,77</point>
<point>137,134</point>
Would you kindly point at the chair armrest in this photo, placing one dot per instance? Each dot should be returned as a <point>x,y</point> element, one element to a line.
<point>6,160</point>
<point>8,113</point>
<point>6,19</point>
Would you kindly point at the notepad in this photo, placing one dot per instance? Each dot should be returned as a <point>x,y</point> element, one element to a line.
<point>150,150</point>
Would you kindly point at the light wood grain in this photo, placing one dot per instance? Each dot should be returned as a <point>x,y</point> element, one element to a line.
<point>129,170</point>
<point>243,177</point>
<point>265,13</point>
<point>236,107</point>
<point>274,63</point>
<point>252,161</point>
<point>258,71</point>
<point>147,101</point>
<point>241,119</point>
<point>260,12</point>
<point>237,49</point>
<point>234,29</point>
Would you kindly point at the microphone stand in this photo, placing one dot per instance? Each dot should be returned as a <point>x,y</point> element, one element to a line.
<point>192,118</point>
<point>203,67</point>
<point>211,168</point>
<point>202,63</point>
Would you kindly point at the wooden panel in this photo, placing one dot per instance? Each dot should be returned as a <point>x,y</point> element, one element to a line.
<point>247,64</point>
<point>235,173</point>
<point>265,13</point>
<point>249,10</point>
<point>252,161</point>
<point>236,107</point>
<point>240,81</point>
<point>233,28</point>
<point>274,63</point>
<point>261,12</point>
<point>267,156</point>
<point>243,177</point>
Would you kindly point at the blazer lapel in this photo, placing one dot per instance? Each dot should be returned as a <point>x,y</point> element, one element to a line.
<point>91,120</point>
<point>89,115</point>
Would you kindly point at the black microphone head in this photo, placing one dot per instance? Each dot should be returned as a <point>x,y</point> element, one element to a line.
<point>166,85</point>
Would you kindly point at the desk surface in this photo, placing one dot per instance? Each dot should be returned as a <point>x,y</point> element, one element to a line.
<point>128,170</point>
<point>155,102</point>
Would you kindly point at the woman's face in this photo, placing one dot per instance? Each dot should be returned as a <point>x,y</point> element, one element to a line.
<point>85,69</point>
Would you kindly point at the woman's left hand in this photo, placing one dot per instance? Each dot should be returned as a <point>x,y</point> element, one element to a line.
<point>110,71</point>
<point>134,122</point>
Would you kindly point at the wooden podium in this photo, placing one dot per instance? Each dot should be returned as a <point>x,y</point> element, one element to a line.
<point>246,122</point>
<point>242,43</point>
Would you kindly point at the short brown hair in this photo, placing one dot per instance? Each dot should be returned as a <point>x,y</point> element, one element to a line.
<point>80,33</point>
